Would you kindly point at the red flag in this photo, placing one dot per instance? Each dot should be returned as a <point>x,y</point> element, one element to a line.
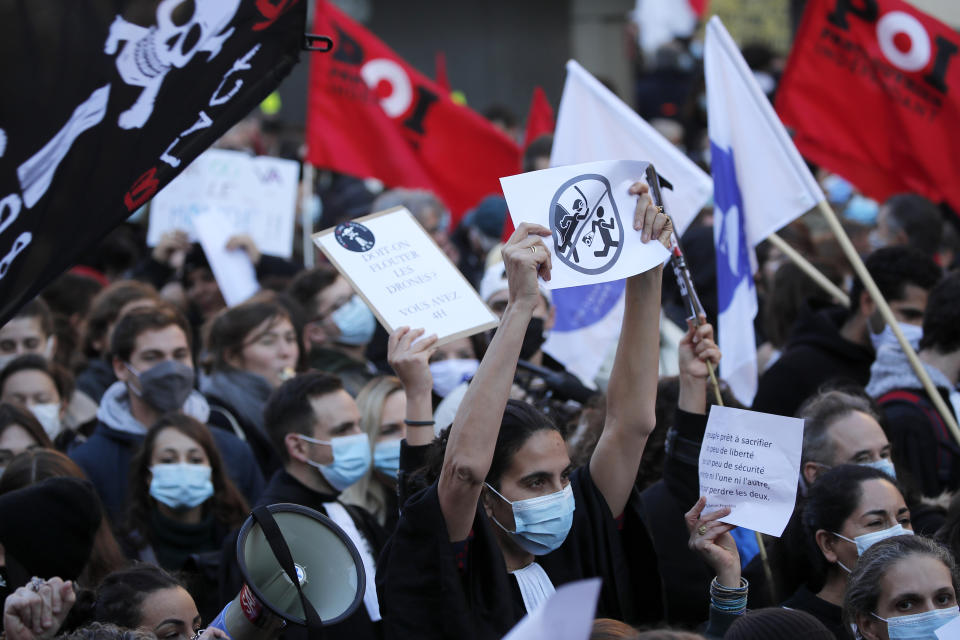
<point>699,7</point>
<point>540,117</point>
<point>872,90</point>
<point>370,114</point>
<point>440,71</point>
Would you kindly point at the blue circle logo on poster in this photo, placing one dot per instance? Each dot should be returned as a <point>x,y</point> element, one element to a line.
<point>353,236</point>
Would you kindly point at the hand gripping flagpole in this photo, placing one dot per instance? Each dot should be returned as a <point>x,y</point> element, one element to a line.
<point>695,311</point>
<point>888,317</point>
<point>682,273</point>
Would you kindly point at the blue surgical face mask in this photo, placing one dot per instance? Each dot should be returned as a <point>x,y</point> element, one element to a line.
<point>451,373</point>
<point>386,457</point>
<point>541,524</point>
<point>867,540</point>
<point>181,485</point>
<point>911,332</point>
<point>919,626</point>
<point>351,459</point>
<point>883,464</point>
<point>355,322</point>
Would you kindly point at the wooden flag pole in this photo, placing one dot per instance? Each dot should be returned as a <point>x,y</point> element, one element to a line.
<point>888,317</point>
<point>817,276</point>
<point>306,216</point>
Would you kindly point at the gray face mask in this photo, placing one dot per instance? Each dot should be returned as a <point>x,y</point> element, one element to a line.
<point>165,386</point>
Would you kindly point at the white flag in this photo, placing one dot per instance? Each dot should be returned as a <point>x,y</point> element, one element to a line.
<point>760,184</point>
<point>593,124</point>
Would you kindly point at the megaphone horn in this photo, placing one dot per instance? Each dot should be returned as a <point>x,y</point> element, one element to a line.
<point>298,566</point>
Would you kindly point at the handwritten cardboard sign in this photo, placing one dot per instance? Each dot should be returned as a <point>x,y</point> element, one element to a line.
<point>403,275</point>
<point>750,462</point>
<point>256,194</point>
<point>589,209</point>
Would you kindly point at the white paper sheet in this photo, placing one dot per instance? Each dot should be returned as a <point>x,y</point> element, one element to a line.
<point>949,631</point>
<point>590,211</point>
<point>750,461</point>
<point>233,270</point>
<point>404,276</point>
<point>567,615</point>
<point>257,194</point>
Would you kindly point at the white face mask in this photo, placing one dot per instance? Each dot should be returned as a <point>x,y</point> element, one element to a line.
<point>450,373</point>
<point>867,540</point>
<point>911,332</point>
<point>919,626</point>
<point>48,415</point>
<point>6,359</point>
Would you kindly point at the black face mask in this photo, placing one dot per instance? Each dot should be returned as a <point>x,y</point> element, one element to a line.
<point>533,339</point>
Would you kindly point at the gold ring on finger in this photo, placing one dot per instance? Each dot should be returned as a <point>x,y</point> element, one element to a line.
<point>533,249</point>
<point>702,529</point>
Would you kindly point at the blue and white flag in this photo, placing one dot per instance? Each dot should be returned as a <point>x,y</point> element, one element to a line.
<point>760,184</point>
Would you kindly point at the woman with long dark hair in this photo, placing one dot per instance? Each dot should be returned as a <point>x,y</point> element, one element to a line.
<point>181,499</point>
<point>508,517</point>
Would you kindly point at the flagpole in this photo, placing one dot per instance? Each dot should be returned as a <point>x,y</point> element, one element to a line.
<point>888,317</point>
<point>306,215</point>
<point>815,274</point>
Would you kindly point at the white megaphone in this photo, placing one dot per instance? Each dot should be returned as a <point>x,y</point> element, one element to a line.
<point>298,567</point>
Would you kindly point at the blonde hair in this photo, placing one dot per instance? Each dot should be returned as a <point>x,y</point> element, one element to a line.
<point>369,492</point>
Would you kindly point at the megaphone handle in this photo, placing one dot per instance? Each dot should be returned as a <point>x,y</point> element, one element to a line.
<point>282,553</point>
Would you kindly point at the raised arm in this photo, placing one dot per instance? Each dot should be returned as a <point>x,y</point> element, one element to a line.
<point>473,435</point>
<point>410,359</point>
<point>632,391</point>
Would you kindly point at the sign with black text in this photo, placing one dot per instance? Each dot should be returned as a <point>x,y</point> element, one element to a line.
<point>403,276</point>
<point>750,462</point>
<point>106,101</point>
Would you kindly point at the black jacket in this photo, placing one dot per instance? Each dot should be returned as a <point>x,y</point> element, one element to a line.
<point>225,417</point>
<point>684,575</point>
<point>816,354</point>
<point>424,592</point>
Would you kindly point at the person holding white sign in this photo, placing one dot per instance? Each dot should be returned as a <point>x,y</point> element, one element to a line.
<point>508,519</point>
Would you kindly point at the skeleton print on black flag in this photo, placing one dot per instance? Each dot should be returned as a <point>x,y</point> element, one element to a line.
<point>587,230</point>
<point>106,101</point>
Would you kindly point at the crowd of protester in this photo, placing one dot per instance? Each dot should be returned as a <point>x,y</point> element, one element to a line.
<point>141,419</point>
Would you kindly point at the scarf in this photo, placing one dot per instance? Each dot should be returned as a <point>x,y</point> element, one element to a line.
<point>243,392</point>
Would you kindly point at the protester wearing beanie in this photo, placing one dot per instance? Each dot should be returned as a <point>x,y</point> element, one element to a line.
<point>47,530</point>
<point>776,622</point>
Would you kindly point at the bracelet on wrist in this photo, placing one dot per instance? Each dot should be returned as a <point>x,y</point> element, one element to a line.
<point>731,600</point>
<point>419,423</point>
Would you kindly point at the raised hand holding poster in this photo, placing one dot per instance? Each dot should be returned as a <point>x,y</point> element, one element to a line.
<point>403,276</point>
<point>589,209</point>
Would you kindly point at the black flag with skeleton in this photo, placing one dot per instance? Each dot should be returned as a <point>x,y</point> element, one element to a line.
<point>105,102</point>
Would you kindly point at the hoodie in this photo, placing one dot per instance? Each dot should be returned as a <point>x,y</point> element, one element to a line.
<point>816,354</point>
<point>922,446</point>
<point>106,455</point>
